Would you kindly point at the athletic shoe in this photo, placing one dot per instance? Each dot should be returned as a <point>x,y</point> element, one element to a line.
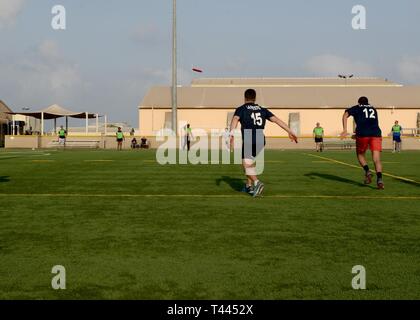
<point>381,184</point>
<point>247,189</point>
<point>368,178</point>
<point>258,189</point>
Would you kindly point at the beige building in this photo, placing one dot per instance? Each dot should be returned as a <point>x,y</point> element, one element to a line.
<point>4,121</point>
<point>210,103</point>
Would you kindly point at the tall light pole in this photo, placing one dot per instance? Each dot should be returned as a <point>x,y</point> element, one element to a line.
<point>174,71</point>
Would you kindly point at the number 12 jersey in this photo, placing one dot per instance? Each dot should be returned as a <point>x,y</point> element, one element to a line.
<point>366,118</point>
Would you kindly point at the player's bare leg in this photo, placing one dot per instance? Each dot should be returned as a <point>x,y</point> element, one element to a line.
<point>255,186</point>
<point>250,182</point>
<point>249,186</point>
<point>376,155</point>
<point>363,163</point>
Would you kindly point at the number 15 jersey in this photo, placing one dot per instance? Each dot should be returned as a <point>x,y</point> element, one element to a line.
<point>252,117</point>
<point>367,122</point>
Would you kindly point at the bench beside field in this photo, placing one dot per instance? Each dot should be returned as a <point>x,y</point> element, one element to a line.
<point>88,144</point>
<point>339,144</point>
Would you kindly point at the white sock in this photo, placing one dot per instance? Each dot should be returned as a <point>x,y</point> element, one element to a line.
<point>256,182</point>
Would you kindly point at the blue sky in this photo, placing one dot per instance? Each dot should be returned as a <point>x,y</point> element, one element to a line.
<point>114,50</point>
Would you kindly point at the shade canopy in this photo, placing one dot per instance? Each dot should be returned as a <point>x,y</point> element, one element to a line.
<point>55,111</point>
<point>4,112</point>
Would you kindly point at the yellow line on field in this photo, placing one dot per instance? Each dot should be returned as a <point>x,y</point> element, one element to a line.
<point>357,167</point>
<point>279,196</point>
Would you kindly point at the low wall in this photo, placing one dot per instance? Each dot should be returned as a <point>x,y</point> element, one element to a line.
<point>36,142</point>
<point>21,142</point>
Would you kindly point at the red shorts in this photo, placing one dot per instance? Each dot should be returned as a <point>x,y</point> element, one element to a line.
<point>365,143</point>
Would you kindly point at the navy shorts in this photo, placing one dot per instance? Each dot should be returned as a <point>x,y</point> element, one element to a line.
<point>397,137</point>
<point>251,151</point>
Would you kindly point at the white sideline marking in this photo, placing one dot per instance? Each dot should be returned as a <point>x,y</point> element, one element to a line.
<point>278,196</point>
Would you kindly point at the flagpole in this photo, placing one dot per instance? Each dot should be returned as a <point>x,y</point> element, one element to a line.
<point>174,71</point>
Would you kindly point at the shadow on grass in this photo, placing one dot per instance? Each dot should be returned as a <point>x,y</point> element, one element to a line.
<point>235,183</point>
<point>336,179</point>
<point>414,184</point>
<point>4,179</point>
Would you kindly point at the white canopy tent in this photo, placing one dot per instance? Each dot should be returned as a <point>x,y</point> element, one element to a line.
<point>55,111</point>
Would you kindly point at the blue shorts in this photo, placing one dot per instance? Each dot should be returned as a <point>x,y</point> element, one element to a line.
<point>397,137</point>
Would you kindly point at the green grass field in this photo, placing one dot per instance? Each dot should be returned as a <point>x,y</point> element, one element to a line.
<point>127,228</point>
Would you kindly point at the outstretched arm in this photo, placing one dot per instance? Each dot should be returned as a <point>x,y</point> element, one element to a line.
<point>344,133</point>
<point>285,127</point>
<point>233,125</point>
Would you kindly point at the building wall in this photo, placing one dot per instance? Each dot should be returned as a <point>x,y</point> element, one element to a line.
<point>153,120</point>
<point>36,142</point>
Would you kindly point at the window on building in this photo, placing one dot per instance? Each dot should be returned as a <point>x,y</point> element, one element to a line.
<point>294,122</point>
<point>168,120</point>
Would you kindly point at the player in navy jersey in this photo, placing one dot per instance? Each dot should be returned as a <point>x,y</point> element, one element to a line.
<point>368,136</point>
<point>252,118</point>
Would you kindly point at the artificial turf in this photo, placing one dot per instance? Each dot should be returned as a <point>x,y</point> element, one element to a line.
<point>125,227</point>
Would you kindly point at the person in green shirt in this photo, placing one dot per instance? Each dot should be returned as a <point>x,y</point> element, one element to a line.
<point>120,139</point>
<point>396,137</point>
<point>62,135</point>
<point>319,137</point>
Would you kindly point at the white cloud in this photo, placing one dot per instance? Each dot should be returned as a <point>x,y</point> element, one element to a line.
<point>49,49</point>
<point>41,77</point>
<point>9,10</point>
<point>409,69</point>
<point>329,65</point>
<point>149,35</point>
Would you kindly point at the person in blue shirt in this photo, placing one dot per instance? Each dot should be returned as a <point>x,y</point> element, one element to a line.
<point>396,137</point>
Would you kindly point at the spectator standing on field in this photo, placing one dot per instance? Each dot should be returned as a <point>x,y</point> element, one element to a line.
<point>62,136</point>
<point>120,139</point>
<point>319,137</point>
<point>396,137</point>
